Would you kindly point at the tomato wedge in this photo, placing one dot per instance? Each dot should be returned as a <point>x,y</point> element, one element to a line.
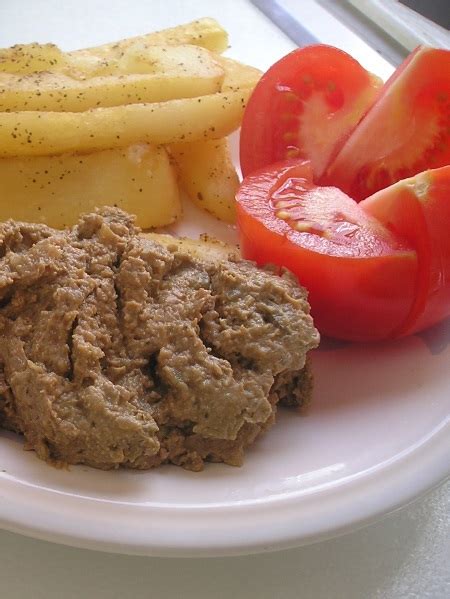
<point>361,278</point>
<point>304,107</point>
<point>418,210</point>
<point>405,132</point>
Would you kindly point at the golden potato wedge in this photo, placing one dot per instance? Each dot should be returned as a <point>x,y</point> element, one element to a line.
<point>159,74</point>
<point>162,59</point>
<point>32,133</point>
<point>206,248</point>
<point>238,75</point>
<point>204,32</point>
<point>29,58</point>
<point>103,60</point>
<point>141,58</point>
<point>55,189</point>
<point>85,64</point>
<point>207,174</point>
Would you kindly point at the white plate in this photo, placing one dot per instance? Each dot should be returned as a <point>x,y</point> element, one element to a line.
<point>376,436</point>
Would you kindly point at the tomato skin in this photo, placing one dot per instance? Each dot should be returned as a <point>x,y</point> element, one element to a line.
<point>418,210</point>
<point>406,130</point>
<point>356,293</point>
<point>303,107</point>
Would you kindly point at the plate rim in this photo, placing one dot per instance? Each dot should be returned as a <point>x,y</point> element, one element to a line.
<point>354,503</point>
<point>401,478</point>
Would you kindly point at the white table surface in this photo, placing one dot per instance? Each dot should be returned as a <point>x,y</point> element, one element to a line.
<point>406,555</point>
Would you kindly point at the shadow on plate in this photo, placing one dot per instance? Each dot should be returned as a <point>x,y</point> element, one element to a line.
<point>347,374</point>
<point>25,468</point>
<point>436,339</point>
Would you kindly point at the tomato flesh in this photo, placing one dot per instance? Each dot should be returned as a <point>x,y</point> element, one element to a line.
<point>406,131</point>
<point>304,107</point>
<point>360,278</point>
<point>418,210</point>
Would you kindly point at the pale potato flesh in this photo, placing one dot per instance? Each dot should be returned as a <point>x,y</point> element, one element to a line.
<point>207,249</point>
<point>35,133</point>
<point>205,32</point>
<point>55,190</point>
<point>162,73</point>
<point>238,75</point>
<point>67,120</point>
<point>31,58</point>
<point>207,174</point>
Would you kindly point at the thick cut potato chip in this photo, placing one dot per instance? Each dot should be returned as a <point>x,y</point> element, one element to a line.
<point>191,119</point>
<point>207,174</point>
<point>238,75</point>
<point>55,189</point>
<point>67,121</point>
<point>103,60</point>
<point>135,59</point>
<point>204,32</point>
<point>163,59</point>
<point>162,73</point>
<point>207,249</point>
<point>31,58</point>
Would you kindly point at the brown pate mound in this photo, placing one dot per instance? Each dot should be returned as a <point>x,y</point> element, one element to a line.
<point>116,350</point>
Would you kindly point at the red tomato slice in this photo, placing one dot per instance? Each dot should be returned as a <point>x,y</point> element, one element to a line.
<point>304,107</point>
<point>360,278</point>
<point>418,210</point>
<point>405,132</point>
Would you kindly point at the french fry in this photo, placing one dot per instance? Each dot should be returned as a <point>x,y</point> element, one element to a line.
<point>55,189</point>
<point>103,60</point>
<point>161,73</point>
<point>206,248</point>
<point>207,174</point>
<point>205,32</point>
<point>238,75</point>
<point>31,133</point>
<point>86,128</point>
<point>28,58</point>
<point>85,64</point>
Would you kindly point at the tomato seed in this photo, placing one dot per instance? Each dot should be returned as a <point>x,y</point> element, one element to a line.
<point>292,152</point>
